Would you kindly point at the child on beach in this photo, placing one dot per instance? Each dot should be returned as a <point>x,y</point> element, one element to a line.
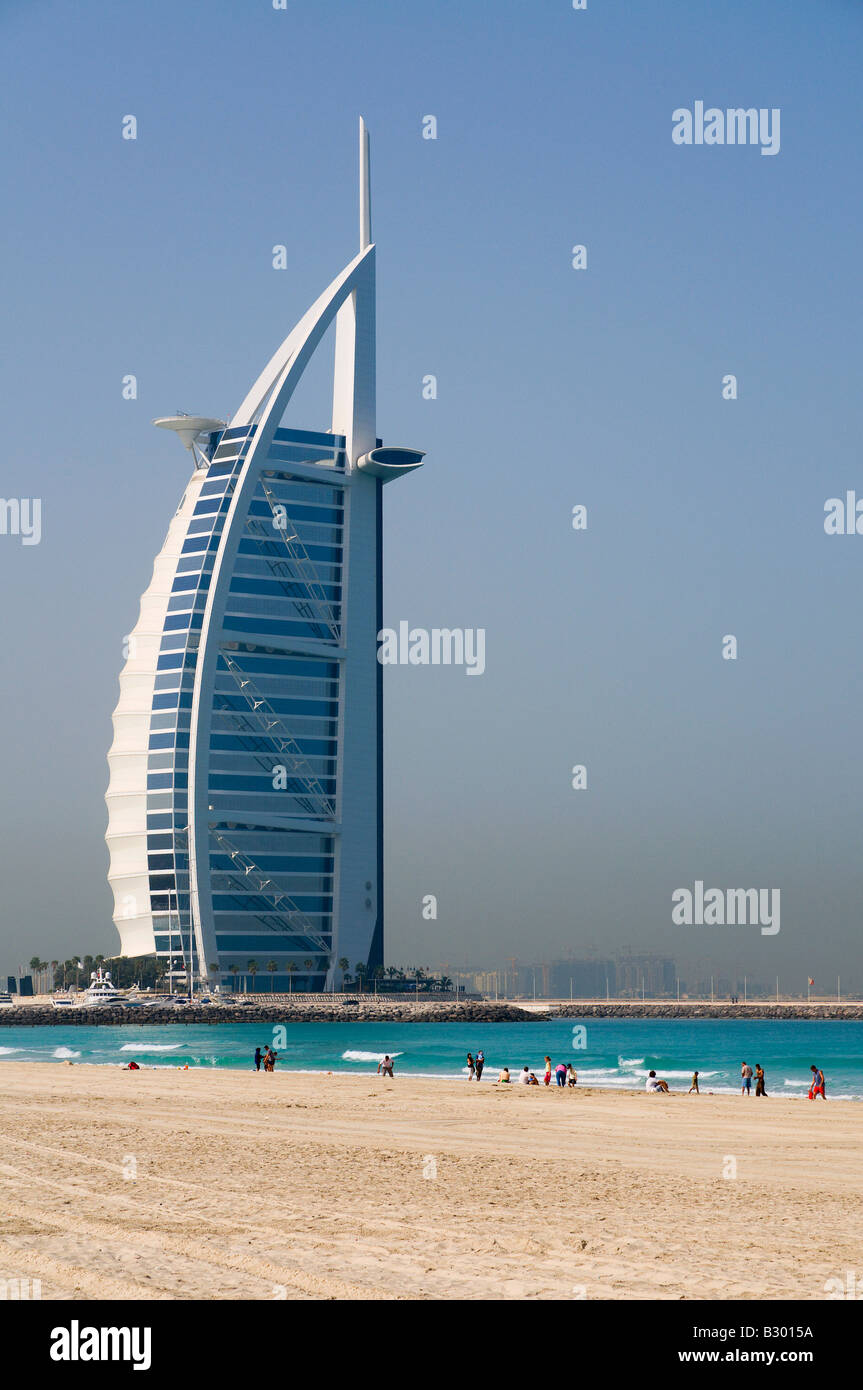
<point>694,1086</point>
<point>548,1071</point>
<point>571,1075</point>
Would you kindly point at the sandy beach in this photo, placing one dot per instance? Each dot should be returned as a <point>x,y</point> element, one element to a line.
<point>231,1185</point>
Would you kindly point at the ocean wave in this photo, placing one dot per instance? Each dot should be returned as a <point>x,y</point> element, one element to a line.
<point>64,1052</point>
<point>702,1075</point>
<point>5,1050</point>
<point>350,1056</point>
<point>150,1047</point>
<point>630,1061</point>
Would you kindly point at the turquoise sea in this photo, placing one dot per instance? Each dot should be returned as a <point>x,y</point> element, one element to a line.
<point>617,1052</point>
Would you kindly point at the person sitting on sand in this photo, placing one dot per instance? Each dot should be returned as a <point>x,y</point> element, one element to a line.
<point>654,1084</point>
<point>571,1075</point>
<point>533,1080</point>
<point>525,1076</point>
<point>759,1080</point>
<point>385,1066</point>
<point>694,1086</point>
<point>818,1087</point>
<point>132,1066</point>
<point>503,1079</point>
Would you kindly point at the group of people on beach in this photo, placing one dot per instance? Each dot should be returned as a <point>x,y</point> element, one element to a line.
<point>817,1088</point>
<point>564,1074</point>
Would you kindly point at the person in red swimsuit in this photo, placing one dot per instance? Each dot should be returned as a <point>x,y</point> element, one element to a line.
<point>818,1084</point>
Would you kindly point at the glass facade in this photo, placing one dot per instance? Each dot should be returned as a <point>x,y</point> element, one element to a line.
<point>274,720</point>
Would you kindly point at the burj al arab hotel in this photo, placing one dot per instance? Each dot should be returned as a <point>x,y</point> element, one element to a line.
<point>245,791</point>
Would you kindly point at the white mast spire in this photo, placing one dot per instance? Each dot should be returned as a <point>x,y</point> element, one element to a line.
<point>365,189</point>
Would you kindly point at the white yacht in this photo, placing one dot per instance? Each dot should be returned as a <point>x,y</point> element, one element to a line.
<point>101,992</point>
<point>62,1001</point>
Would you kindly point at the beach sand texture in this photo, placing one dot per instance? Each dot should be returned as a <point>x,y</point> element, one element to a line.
<point>340,1187</point>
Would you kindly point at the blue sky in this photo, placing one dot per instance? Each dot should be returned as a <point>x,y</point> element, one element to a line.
<point>556,387</point>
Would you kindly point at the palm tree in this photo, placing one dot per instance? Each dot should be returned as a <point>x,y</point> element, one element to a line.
<point>291,968</point>
<point>252,967</point>
<point>360,972</point>
<point>272,967</point>
<point>234,970</point>
<point>344,965</point>
<point>214,968</point>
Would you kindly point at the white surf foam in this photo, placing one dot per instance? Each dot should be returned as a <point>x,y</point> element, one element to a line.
<point>149,1047</point>
<point>64,1052</point>
<point>351,1056</point>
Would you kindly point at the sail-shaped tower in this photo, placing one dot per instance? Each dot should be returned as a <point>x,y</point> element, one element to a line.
<point>245,797</point>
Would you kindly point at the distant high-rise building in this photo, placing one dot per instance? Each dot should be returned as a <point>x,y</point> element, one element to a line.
<point>245,794</point>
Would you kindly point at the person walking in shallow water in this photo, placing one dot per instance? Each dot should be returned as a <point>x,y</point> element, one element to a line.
<point>746,1079</point>
<point>759,1080</point>
<point>694,1086</point>
<point>818,1087</point>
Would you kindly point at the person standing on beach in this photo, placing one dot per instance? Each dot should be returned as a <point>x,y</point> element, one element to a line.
<point>270,1060</point>
<point>694,1086</point>
<point>548,1071</point>
<point>560,1073</point>
<point>470,1067</point>
<point>746,1079</point>
<point>571,1075</point>
<point>819,1085</point>
<point>480,1063</point>
<point>385,1066</point>
<point>759,1080</point>
<point>257,1059</point>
